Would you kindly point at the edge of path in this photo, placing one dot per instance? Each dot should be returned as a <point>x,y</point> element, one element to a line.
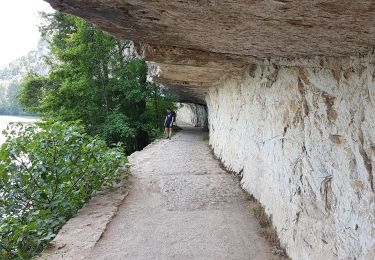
<point>82,232</point>
<point>85,229</point>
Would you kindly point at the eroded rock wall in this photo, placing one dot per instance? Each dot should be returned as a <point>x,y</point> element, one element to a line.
<point>189,114</point>
<point>195,43</point>
<point>303,139</point>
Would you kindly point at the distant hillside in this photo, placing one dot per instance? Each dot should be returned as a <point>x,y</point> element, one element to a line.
<point>12,75</point>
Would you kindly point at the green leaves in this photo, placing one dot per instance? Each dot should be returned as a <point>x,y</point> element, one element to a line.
<point>32,92</point>
<point>47,172</point>
<point>95,81</point>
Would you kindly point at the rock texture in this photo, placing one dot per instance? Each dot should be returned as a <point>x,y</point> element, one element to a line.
<point>187,209</point>
<point>189,114</point>
<point>303,139</point>
<point>195,43</point>
<point>81,233</point>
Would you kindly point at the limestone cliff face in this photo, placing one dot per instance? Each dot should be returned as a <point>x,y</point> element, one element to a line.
<point>189,114</point>
<point>303,139</point>
<point>195,43</point>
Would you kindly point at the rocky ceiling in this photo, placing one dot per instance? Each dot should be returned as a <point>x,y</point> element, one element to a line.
<point>193,43</point>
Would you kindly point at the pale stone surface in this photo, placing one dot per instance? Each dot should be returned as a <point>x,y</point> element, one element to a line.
<point>237,27</point>
<point>303,139</point>
<point>197,42</point>
<point>189,114</point>
<point>182,205</point>
<point>81,233</point>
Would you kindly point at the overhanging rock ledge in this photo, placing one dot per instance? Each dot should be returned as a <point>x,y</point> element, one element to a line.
<point>196,43</point>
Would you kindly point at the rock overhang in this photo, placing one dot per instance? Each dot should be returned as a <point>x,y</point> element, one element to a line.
<point>196,43</point>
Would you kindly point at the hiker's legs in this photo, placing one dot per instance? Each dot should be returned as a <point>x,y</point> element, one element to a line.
<point>167,131</point>
<point>170,132</point>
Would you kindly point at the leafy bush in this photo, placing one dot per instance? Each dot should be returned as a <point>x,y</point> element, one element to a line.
<point>206,137</point>
<point>94,80</point>
<point>117,127</point>
<point>47,172</point>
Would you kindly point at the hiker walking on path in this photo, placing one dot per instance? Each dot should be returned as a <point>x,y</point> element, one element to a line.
<point>168,123</point>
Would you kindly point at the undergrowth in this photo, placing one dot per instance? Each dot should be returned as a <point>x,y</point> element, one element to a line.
<point>206,137</point>
<point>267,229</point>
<point>261,216</point>
<point>47,172</point>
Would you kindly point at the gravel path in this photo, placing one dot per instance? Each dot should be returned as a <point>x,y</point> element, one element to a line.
<point>182,205</point>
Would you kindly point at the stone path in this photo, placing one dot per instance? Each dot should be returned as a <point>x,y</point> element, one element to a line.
<point>182,205</point>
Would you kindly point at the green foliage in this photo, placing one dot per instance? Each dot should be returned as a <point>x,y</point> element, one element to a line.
<point>96,82</point>
<point>31,93</point>
<point>117,125</point>
<point>156,105</point>
<point>47,172</point>
<point>206,137</point>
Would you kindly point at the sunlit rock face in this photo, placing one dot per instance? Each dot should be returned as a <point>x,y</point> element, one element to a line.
<point>304,141</point>
<point>189,114</point>
<point>198,42</point>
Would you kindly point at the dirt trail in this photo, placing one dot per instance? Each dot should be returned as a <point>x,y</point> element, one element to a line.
<point>182,205</point>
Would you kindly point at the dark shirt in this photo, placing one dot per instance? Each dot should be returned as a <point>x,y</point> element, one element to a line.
<point>168,117</point>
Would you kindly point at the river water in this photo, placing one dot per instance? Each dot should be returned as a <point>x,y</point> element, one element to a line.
<point>5,120</point>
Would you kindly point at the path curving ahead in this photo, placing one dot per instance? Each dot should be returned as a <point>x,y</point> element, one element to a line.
<point>182,205</point>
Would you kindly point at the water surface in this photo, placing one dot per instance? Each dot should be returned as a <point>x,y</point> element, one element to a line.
<point>5,120</point>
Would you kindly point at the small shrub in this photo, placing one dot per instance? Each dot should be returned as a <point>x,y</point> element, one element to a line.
<point>267,230</point>
<point>118,127</point>
<point>206,136</point>
<point>261,215</point>
<point>47,172</point>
